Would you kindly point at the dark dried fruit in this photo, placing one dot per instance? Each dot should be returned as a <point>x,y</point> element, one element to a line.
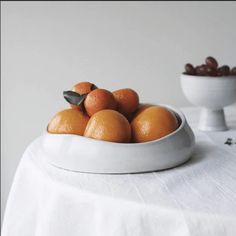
<point>201,70</point>
<point>224,70</point>
<point>211,62</point>
<point>219,73</point>
<point>211,71</point>
<point>233,71</point>
<point>189,69</point>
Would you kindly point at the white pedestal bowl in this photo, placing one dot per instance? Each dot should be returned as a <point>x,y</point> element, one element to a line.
<point>212,94</point>
<point>78,153</point>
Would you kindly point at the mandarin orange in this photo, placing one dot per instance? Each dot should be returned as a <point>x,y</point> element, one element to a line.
<point>82,88</point>
<point>142,107</point>
<point>69,121</point>
<point>153,123</point>
<point>99,99</point>
<point>108,125</point>
<point>127,100</point>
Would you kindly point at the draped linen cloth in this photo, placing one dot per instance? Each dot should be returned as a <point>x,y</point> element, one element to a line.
<point>196,198</point>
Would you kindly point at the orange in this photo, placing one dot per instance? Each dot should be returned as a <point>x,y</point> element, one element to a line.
<point>142,107</point>
<point>108,125</point>
<point>99,99</point>
<point>82,88</point>
<point>69,121</point>
<point>153,123</point>
<point>127,100</point>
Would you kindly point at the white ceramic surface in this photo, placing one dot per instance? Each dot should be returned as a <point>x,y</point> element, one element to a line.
<point>78,153</point>
<point>212,94</point>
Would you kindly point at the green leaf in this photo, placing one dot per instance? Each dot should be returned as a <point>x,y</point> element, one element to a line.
<point>73,97</point>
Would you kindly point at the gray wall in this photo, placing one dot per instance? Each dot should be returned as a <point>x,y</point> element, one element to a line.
<point>49,46</point>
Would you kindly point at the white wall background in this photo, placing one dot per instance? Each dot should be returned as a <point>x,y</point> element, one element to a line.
<point>49,46</point>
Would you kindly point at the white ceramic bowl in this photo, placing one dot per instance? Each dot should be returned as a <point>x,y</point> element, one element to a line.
<point>212,94</point>
<point>78,153</point>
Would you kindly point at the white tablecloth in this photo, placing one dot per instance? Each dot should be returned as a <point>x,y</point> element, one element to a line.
<point>197,198</point>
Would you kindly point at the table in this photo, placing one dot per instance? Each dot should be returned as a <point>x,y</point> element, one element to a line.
<point>197,198</point>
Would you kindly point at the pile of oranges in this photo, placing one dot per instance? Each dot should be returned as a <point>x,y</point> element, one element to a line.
<point>111,116</point>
